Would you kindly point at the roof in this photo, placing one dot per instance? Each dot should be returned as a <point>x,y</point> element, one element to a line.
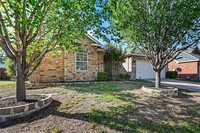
<point>192,54</point>
<point>96,43</point>
<point>136,52</point>
<point>2,65</point>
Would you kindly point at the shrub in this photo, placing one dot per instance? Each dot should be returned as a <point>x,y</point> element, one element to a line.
<point>124,76</point>
<point>172,74</point>
<point>102,76</point>
<point>115,55</point>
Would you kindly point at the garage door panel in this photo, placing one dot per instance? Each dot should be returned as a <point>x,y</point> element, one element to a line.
<point>144,70</point>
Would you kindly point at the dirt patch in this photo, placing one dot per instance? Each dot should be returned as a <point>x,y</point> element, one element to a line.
<point>9,102</point>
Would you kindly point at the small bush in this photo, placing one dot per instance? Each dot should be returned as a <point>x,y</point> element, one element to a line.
<point>172,74</point>
<point>124,76</point>
<point>102,76</point>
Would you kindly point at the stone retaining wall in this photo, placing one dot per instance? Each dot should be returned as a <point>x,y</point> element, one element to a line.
<point>169,91</point>
<point>8,113</point>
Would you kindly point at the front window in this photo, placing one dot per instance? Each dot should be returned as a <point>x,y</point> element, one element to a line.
<point>81,61</point>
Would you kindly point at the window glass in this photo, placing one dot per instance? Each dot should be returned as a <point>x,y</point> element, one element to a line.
<point>81,61</point>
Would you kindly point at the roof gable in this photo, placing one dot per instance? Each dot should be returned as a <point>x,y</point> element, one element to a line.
<point>191,54</point>
<point>97,43</point>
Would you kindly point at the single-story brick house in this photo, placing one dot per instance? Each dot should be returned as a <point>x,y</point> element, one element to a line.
<point>83,66</point>
<point>72,66</point>
<point>187,64</point>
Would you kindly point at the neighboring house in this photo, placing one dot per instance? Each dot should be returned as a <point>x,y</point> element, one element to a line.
<point>74,66</point>
<point>3,75</point>
<point>187,64</point>
<point>139,67</point>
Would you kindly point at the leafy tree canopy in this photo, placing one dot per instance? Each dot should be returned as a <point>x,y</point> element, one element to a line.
<point>29,29</point>
<point>162,29</point>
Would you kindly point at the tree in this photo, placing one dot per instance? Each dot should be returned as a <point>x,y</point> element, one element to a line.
<point>115,56</point>
<point>29,29</point>
<point>161,29</point>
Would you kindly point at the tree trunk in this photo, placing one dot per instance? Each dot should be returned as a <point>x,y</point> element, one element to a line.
<point>20,84</point>
<point>157,82</point>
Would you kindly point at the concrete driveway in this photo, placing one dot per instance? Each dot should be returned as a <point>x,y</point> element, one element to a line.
<point>192,86</point>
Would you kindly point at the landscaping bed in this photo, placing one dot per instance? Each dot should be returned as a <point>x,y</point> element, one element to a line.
<point>111,107</point>
<point>9,102</point>
<point>163,91</point>
<point>10,109</point>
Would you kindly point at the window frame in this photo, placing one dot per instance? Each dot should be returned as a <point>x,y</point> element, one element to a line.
<point>81,61</point>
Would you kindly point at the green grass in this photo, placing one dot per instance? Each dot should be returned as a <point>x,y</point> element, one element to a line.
<point>115,119</point>
<point>75,100</point>
<point>105,87</point>
<point>109,92</point>
<point>6,83</point>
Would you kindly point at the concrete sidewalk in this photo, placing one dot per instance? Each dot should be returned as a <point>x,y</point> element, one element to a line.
<point>192,86</point>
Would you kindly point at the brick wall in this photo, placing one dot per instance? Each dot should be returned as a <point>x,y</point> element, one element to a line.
<point>50,70</point>
<point>185,69</point>
<point>100,61</point>
<point>95,62</point>
<point>62,68</point>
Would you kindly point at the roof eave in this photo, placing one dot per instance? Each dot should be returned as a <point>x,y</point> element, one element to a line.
<point>187,61</point>
<point>96,44</point>
<point>94,40</point>
<point>135,54</point>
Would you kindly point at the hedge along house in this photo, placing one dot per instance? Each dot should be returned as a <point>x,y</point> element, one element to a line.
<point>72,66</point>
<point>187,64</point>
<point>138,66</point>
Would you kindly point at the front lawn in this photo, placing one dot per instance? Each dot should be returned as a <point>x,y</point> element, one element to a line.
<point>110,108</point>
<point>6,83</point>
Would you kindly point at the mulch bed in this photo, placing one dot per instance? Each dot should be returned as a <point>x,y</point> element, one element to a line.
<point>9,102</point>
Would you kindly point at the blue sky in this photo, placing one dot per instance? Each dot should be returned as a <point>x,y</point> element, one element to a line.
<point>106,24</point>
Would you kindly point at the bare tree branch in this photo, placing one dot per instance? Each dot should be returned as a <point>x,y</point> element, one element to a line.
<point>6,37</point>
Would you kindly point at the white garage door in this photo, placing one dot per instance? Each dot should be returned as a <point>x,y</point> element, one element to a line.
<point>144,70</point>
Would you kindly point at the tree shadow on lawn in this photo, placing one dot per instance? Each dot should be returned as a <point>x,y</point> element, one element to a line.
<point>123,118</point>
<point>139,116</point>
<point>51,109</point>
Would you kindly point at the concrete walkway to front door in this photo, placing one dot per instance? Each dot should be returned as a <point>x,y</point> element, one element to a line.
<point>192,86</point>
